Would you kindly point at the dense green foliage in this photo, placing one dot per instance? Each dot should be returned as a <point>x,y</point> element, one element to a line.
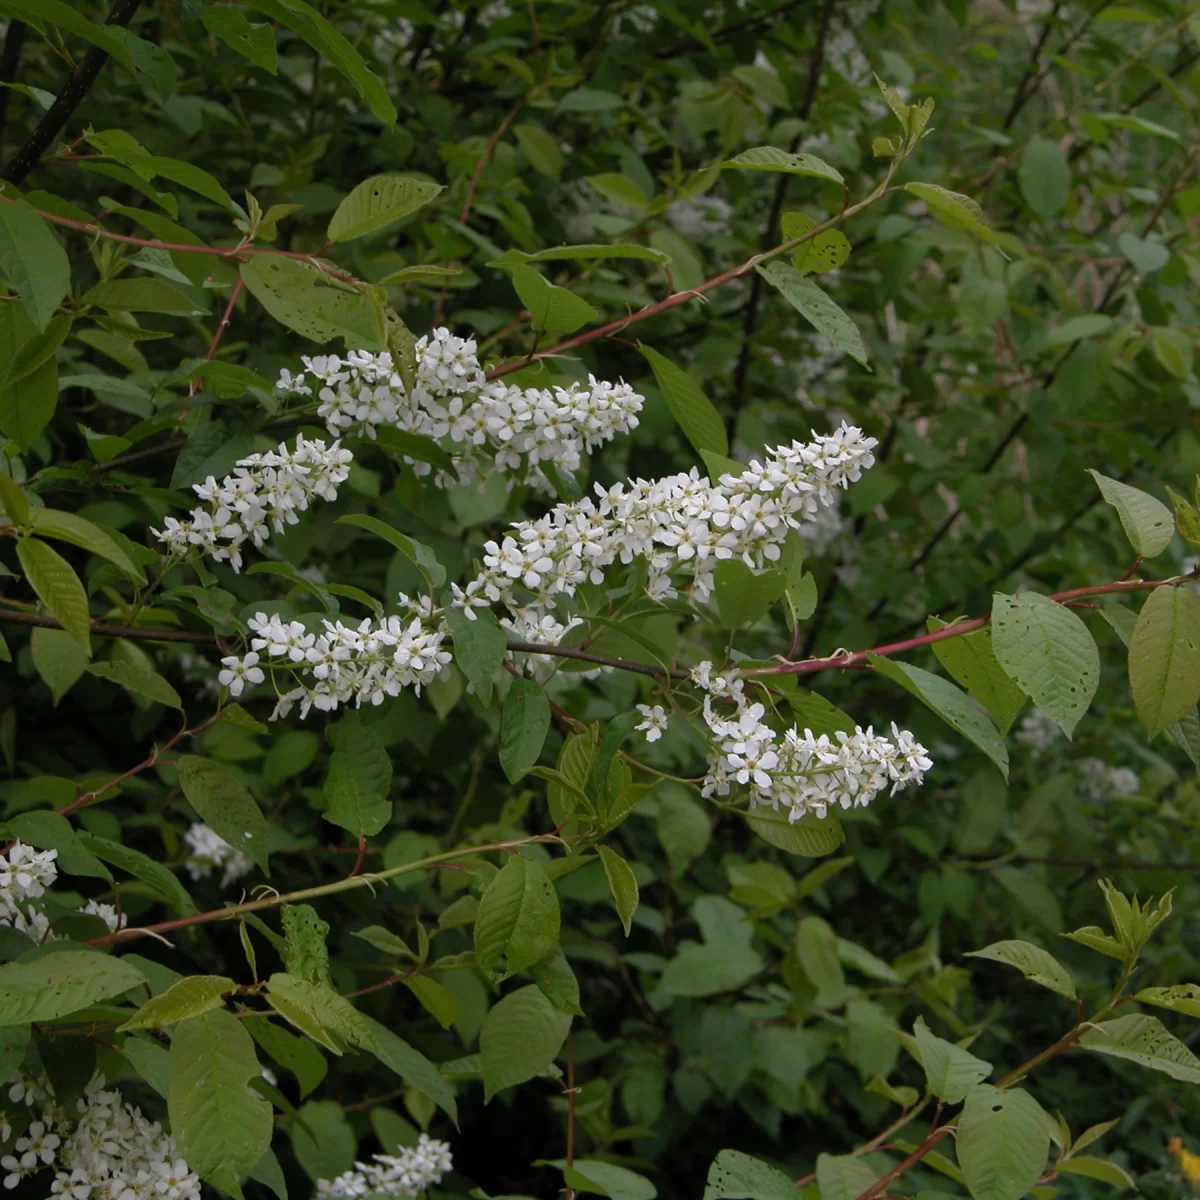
<point>601,980</point>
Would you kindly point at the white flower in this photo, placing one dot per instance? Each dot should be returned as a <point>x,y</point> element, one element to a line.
<point>209,851</point>
<point>654,721</point>
<point>1039,731</point>
<point>413,1171</point>
<point>239,672</point>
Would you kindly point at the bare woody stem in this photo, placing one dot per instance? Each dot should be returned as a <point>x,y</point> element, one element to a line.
<point>350,883</point>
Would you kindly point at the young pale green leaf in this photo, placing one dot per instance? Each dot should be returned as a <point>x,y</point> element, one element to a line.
<point>417,553</point>
<point>1164,657</point>
<point>1147,521</point>
<point>1003,1140</point>
<point>479,647</point>
<point>622,883</point>
<point>436,999</point>
<point>826,251</point>
<point>950,1071</point>
<point>520,1038</point>
<point>325,38</point>
<point>518,919</point>
<point>138,682</point>
<point>221,1126</point>
<point>72,528</point>
<point>811,836</point>
<point>553,309</point>
<point>816,307</point>
<point>541,148</point>
<point>32,261</point>
<point>378,202</point>
<point>770,158</point>
<point>314,304</point>
<point>63,983</point>
<point>1049,652</point>
<point>1144,1040</point>
<point>524,723</point>
<point>736,1176</point>
<point>57,587</point>
<point>816,950</point>
<point>906,1097</point>
<point>255,42</point>
<point>1092,1167</point>
<point>1093,1134</point>
<point>1044,177</point>
<point>1095,938</point>
<point>223,803</point>
<point>191,996</point>
<point>1033,962</point>
<point>843,1176</point>
<point>744,597</point>
<point>1181,998</point>
<point>954,210</point>
<point>971,661</point>
<point>952,705</point>
<point>1187,519</point>
<point>691,408</point>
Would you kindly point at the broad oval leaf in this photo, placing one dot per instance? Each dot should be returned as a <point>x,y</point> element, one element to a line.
<point>811,836</point>
<point>771,158</point>
<point>950,1071</point>
<point>376,203</point>
<point>1036,964</point>
<point>553,309</point>
<point>1144,1040</point>
<point>518,919</point>
<point>224,804</point>
<point>57,587</point>
<point>58,984</point>
<point>817,307</point>
<point>520,1038</point>
<point>691,408</point>
<point>1164,657</point>
<point>1003,1140</point>
<point>736,1176</point>
<point>1147,522</point>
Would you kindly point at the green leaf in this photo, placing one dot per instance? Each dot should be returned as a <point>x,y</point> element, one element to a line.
<point>322,1140</point>
<point>47,830</point>
<point>817,953</point>
<point>1002,1142</point>
<point>971,661</point>
<point>1073,330</point>
<point>541,148</point>
<point>605,1179</point>
<point>1048,650</point>
<point>59,984</point>
<point>518,919</point>
<point>553,309</point>
<point>843,1176</point>
<point>28,400</point>
<point>304,20</point>
<point>138,682</point>
<point>811,836</point>
<point>1181,998</point>
<point>140,294</point>
<point>377,203</point>
<point>524,723</point>
<point>953,706</point>
<point>59,659</point>
<point>1173,349</point>
<point>817,308</point>
<point>479,647</point>
<point>411,1065</point>
<point>190,997</point>
<point>319,1011</point>
<point>736,1176</point>
<point>32,261</point>
<point>222,1128</point>
<point>1095,938</point>
<point>436,999</point>
<point>1144,1040</point>
<point>1033,962</point>
<point>314,304</point>
<point>557,982</point>
<point>691,408</point>
<point>1164,657</point>
<point>72,528</point>
<point>1044,177</point>
<point>255,42</point>
<point>582,253</point>
<point>710,969</point>
<point>304,952</point>
<point>744,596</point>
<point>622,883</point>
<point>360,777</point>
<point>414,445</point>
<point>1096,1168</point>
<point>65,16</point>
<point>770,158</point>
<point>417,553</point>
<point>1147,522</point>
<point>954,210</point>
<point>293,1053</point>
<point>950,1071</point>
<point>520,1038</point>
<point>153,874</point>
<point>223,803</point>
<point>57,587</point>
<point>827,251</point>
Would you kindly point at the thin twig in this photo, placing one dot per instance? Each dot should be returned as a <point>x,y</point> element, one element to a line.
<point>10,61</point>
<point>1020,98</point>
<point>226,317</point>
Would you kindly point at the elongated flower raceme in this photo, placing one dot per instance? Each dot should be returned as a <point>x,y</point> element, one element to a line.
<point>265,492</point>
<point>26,875</point>
<point>412,1171</point>
<point>799,772</point>
<point>483,426</point>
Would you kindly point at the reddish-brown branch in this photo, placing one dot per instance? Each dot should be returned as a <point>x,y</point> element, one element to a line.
<point>226,317</point>
<point>881,1184</point>
<point>104,629</point>
<point>485,158</point>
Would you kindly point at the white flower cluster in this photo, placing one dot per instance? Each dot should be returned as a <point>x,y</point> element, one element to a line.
<point>679,524</point>
<point>1100,781</point>
<point>653,723</point>
<point>414,1170</point>
<point>210,851</point>
<point>366,662</point>
<point>805,774</point>
<point>113,1153</point>
<point>1039,731</point>
<point>700,217</point>
<point>265,492</point>
<point>480,423</point>
<point>25,874</point>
